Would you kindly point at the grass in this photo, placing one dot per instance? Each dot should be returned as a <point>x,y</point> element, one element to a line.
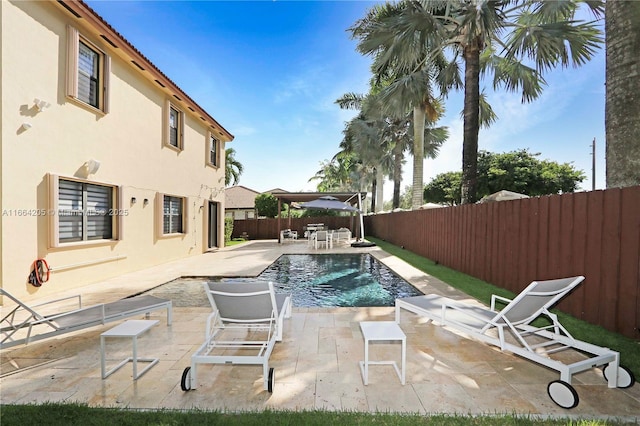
<point>79,414</point>
<point>235,242</point>
<point>482,291</point>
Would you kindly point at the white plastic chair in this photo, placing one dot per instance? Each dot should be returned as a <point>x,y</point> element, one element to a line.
<point>322,237</point>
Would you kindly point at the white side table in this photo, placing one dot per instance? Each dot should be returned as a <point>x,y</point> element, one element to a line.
<point>132,329</point>
<point>382,331</point>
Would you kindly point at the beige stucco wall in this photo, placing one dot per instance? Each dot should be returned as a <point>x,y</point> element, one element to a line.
<point>127,141</point>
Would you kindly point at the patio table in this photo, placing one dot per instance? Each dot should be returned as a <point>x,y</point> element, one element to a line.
<point>376,331</point>
<point>132,329</point>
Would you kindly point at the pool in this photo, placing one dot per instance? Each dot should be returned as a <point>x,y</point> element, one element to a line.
<point>337,280</point>
<point>314,280</point>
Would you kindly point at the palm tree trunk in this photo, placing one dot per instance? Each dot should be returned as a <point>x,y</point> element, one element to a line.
<point>397,174</point>
<point>471,122</point>
<point>418,157</point>
<point>374,192</point>
<point>379,190</point>
<point>622,109</point>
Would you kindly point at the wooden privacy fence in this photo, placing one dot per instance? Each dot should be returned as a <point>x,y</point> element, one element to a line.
<point>267,229</point>
<point>511,243</point>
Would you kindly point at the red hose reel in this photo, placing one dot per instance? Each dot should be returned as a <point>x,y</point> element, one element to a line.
<point>40,273</point>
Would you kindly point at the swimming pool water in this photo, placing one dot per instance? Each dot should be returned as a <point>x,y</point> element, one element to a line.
<point>314,280</point>
<point>336,280</point>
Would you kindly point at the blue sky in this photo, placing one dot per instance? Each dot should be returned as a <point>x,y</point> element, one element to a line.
<point>270,71</point>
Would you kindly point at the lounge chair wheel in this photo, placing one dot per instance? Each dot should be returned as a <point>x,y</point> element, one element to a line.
<point>271,380</point>
<point>625,376</point>
<point>563,394</point>
<point>185,383</point>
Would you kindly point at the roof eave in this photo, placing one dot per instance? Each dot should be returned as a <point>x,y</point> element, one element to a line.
<point>125,50</point>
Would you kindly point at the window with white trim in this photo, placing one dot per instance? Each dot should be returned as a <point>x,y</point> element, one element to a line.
<point>173,215</point>
<point>88,69</point>
<point>174,126</point>
<point>82,211</point>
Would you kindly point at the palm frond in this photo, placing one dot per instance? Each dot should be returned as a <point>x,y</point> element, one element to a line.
<point>486,115</point>
<point>406,92</point>
<point>513,75</point>
<point>350,100</point>
<point>553,43</point>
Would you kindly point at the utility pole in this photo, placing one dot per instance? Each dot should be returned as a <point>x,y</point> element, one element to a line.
<point>593,165</point>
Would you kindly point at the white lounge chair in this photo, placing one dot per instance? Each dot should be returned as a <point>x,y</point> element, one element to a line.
<point>245,324</point>
<point>511,330</point>
<point>25,324</point>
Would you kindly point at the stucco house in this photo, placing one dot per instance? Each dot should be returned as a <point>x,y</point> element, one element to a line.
<point>107,166</point>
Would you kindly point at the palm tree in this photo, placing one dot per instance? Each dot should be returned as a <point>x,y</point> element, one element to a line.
<point>488,37</point>
<point>622,110</point>
<point>232,167</point>
<point>364,136</point>
<point>404,86</point>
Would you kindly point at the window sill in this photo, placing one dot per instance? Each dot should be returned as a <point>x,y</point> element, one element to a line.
<point>173,148</point>
<point>169,236</point>
<point>83,244</point>
<point>86,106</point>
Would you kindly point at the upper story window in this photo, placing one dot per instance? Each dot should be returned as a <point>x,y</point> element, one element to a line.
<point>174,126</point>
<point>89,75</point>
<point>214,151</point>
<point>87,72</point>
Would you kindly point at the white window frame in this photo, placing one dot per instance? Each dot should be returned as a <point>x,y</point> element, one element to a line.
<point>169,106</point>
<point>55,211</point>
<point>74,38</point>
<point>160,215</point>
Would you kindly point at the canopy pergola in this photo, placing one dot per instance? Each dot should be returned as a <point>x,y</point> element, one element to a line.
<point>351,198</point>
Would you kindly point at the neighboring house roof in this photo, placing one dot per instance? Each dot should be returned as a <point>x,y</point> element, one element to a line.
<point>125,50</point>
<point>276,191</point>
<point>240,197</point>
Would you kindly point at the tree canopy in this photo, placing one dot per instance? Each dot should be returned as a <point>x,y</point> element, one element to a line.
<point>519,171</point>
<point>266,205</point>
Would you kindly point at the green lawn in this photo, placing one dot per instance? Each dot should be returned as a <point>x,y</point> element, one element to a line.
<point>74,414</point>
<point>235,242</point>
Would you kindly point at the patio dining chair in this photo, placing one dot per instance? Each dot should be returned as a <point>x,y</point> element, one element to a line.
<point>512,330</point>
<point>322,238</point>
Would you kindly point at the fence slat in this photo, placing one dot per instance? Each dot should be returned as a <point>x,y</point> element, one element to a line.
<point>577,247</point>
<point>628,312</point>
<point>610,255</point>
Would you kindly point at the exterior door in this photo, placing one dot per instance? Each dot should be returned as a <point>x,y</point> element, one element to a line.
<point>213,225</point>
